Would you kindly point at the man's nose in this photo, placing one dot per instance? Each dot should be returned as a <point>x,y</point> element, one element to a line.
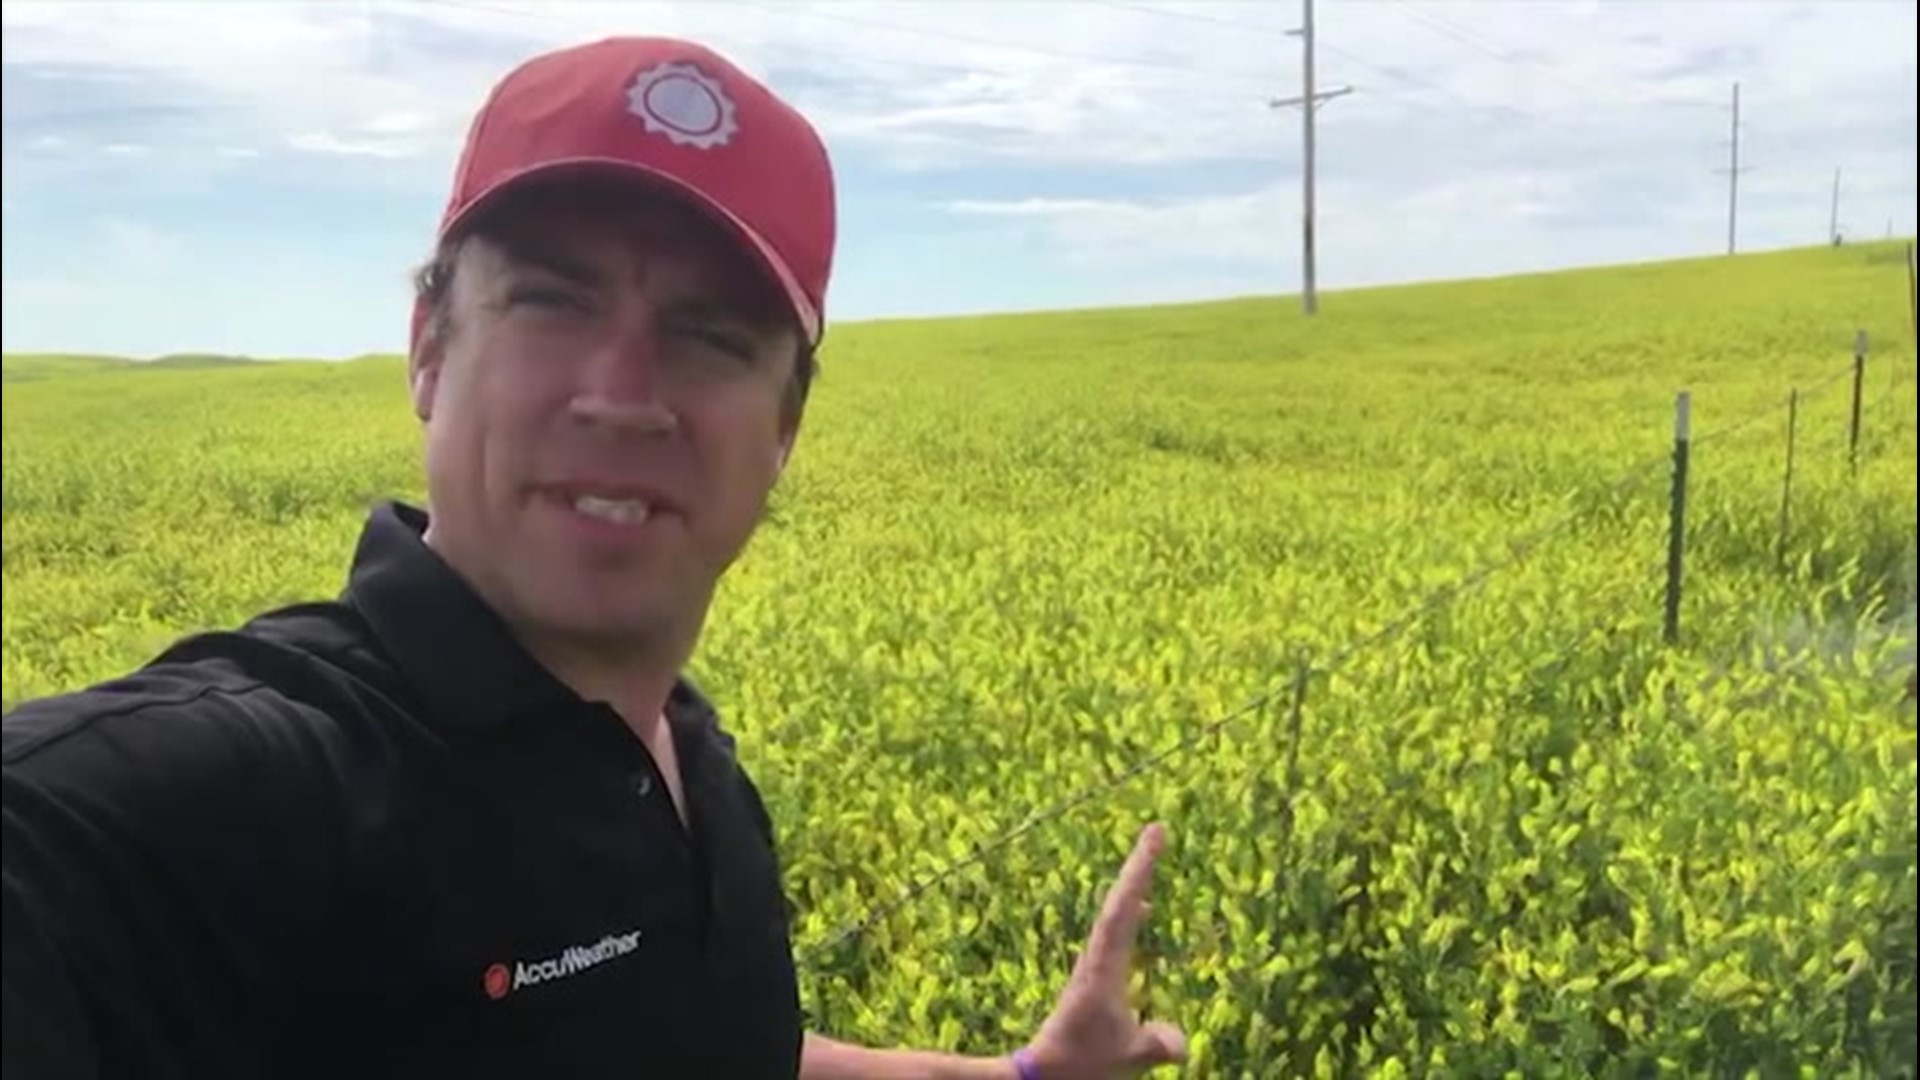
<point>622,384</point>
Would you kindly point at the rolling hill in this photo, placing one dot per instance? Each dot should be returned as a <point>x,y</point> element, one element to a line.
<point>1035,579</point>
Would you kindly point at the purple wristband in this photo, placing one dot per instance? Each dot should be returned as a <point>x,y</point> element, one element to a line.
<point>1023,1064</point>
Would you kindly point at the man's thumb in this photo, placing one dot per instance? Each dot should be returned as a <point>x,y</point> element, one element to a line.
<point>1159,1044</point>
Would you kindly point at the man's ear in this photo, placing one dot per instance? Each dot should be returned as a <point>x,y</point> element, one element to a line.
<point>424,354</point>
<point>789,433</point>
<point>423,378</point>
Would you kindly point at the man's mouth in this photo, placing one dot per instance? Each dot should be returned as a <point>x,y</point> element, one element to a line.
<point>616,503</point>
<point>616,511</point>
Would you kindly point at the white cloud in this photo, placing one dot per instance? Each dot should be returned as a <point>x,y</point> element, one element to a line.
<point>1468,225</point>
<point>928,84</point>
<point>326,64</point>
<point>1110,233</point>
<point>258,74</point>
<point>391,135</point>
<point>1035,207</point>
<point>326,142</point>
<point>1530,133</point>
<point>398,123</point>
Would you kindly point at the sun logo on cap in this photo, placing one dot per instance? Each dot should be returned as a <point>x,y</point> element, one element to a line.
<point>685,105</point>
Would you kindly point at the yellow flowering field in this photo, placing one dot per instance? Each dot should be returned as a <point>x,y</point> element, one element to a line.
<point>1367,607</point>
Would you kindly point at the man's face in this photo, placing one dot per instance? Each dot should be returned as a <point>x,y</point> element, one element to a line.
<point>605,417</point>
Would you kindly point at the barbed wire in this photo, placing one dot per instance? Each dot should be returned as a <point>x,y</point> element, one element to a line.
<point>1518,550</point>
<point>1807,393</point>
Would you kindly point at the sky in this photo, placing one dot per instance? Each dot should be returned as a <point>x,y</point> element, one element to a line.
<point>258,178</point>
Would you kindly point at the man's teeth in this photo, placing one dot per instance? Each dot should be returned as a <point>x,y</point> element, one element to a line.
<point>618,511</point>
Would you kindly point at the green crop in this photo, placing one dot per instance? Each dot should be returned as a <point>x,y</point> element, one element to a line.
<point>1516,834</point>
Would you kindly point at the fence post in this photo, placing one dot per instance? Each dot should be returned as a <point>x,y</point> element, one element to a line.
<point>1282,878</point>
<point>1677,528</point>
<point>1786,489</point>
<point>1859,374</point>
<point>1913,296</point>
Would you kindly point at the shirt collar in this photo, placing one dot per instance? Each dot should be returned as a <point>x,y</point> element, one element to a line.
<point>458,655</point>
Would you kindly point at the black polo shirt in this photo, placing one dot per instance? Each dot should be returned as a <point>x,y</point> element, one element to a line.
<point>373,837</point>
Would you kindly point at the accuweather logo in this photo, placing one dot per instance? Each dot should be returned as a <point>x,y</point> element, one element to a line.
<point>504,979</point>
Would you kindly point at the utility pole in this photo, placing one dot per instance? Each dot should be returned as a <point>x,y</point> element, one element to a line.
<point>1833,215</point>
<point>1309,102</point>
<point>1733,177</point>
<point>1309,287</point>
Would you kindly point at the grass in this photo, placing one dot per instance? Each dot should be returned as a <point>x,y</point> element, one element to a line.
<point>1017,554</point>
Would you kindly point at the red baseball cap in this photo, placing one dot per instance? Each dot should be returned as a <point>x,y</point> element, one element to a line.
<point>677,117</point>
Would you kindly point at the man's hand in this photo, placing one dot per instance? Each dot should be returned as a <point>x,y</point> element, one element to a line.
<point>1093,1032</point>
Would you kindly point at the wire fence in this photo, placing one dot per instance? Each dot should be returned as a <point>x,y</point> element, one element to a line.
<point>1294,691</point>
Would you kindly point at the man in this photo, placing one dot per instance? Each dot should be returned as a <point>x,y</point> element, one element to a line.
<point>468,819</point>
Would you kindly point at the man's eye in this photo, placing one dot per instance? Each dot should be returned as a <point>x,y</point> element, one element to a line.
<point>729,342</point>
<point>545,296</point>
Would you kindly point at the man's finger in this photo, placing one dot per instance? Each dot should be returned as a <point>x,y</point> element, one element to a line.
<point>1114,932</point>
<point>1159,1044</point>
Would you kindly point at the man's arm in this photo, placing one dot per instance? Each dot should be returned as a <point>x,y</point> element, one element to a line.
<point>825,1059</point>
<point>166,856</point>
<point>45,1028</point>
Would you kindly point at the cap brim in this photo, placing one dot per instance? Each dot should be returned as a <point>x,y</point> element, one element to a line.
<point>756,246</point>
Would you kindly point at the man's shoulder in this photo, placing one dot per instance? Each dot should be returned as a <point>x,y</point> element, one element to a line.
<point>301,666</point>
<point>214,790</point>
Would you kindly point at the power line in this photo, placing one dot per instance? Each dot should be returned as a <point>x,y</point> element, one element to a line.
<point>1511,56</point>
<point>1505,56</point>
<point>1194,16</point>
<point>1401,76</point>
<point>1453,31</point>
<point>1396,74</point>
<point>1311,97</point>
<point>1187,70</point>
